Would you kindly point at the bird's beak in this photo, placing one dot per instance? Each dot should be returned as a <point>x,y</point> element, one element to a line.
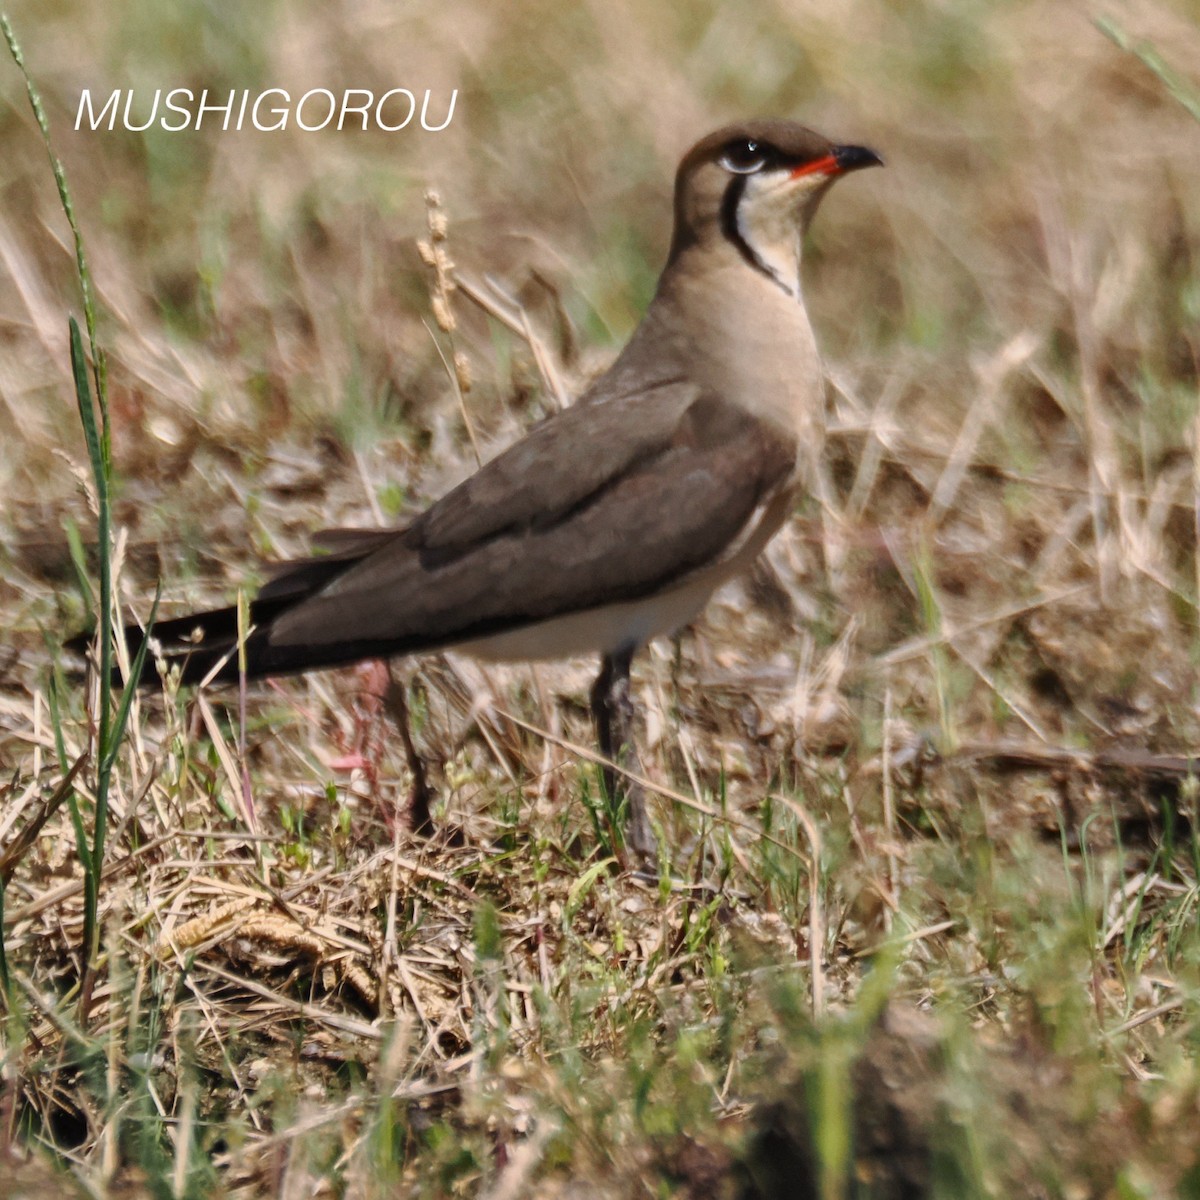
<point>840,160</point>
<point>854,158</point>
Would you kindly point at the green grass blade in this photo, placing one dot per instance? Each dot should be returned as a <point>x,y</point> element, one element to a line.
<point>64,195</point>
<point>93,859</point>
<point>79,562</point>
<point>135,674</point>
<point>1150,57</point>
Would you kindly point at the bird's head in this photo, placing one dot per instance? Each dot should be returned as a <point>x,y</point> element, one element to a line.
<point>755,187</point>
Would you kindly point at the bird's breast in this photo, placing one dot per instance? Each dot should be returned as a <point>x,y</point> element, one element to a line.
<point>751,343</point>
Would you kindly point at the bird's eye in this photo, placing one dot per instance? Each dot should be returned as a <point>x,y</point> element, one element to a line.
<point>744,156</point>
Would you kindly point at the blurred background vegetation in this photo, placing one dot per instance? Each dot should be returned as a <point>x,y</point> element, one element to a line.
<point>1005,556</point>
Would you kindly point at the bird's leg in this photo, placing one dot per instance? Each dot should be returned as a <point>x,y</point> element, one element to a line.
<point>418,802</point>
<point>612,709</point>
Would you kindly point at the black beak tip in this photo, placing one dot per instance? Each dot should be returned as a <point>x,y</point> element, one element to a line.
<point>855,158</point>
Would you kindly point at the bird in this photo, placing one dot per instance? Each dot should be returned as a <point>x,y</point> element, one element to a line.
<point>612,521</point>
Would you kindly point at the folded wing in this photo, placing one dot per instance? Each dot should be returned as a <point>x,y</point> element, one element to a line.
<point>668,486</point>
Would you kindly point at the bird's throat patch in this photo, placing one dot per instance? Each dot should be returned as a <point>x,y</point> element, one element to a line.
<point>736,232</point>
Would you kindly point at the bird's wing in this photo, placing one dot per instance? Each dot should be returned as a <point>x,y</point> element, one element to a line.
<point>544,475</point>
<point>670,484</point>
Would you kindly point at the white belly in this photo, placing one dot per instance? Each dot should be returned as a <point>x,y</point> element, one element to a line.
<point>633,623</point>
<point>596,630</point>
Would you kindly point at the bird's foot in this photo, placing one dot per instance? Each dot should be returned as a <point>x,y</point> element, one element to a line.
<point>612,708</point>
<point>640,837</point>
<point>419,817</point>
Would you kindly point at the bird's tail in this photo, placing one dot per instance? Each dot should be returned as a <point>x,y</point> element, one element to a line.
<point>207,646</point>
<point>204,646</point>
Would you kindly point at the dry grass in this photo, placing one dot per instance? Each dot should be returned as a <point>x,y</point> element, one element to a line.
<point>927,772</point>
